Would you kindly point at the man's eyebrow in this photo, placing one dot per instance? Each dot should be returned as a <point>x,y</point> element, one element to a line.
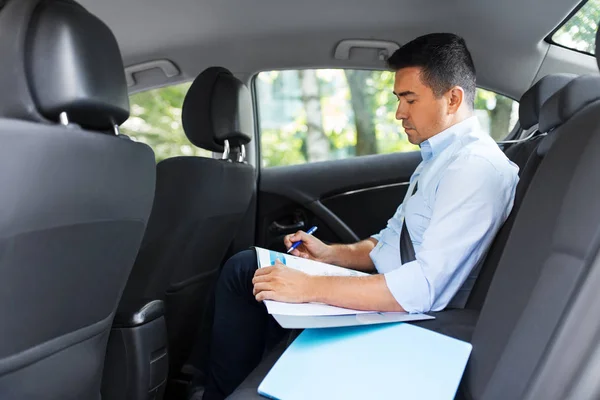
<point>405,93</point>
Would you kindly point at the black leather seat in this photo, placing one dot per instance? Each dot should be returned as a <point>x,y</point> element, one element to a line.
<point>549,253</point>
<point>473,291</point>
<point>199,204</point>
<point>75,198</point>
<point>525,154</point>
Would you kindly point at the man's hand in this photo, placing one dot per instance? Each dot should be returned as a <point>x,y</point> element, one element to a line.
<point>282,283</point>
<point>311,247</point>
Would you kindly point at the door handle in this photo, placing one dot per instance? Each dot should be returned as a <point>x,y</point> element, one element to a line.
<point>277,227</point>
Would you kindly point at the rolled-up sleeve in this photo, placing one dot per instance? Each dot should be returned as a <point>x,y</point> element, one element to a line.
<point>469,207</point>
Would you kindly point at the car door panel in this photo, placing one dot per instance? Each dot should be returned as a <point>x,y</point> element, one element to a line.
<point>347,199</point>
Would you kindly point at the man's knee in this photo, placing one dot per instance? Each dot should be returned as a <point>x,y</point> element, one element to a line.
<point>238,271</point>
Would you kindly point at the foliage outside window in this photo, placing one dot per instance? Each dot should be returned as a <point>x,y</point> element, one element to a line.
<point>329,114</point>
<point>579,32</point>
<point>156,120</point>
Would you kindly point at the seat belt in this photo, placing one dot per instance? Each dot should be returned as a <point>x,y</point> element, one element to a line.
<point>407,249</point>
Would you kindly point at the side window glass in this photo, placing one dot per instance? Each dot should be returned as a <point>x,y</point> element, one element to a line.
<point>497,114</point>
<point>156,120</point>
<point>326,114</point>
<point>331,114</point>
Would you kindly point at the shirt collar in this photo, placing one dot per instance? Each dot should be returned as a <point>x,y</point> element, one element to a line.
<point>433,146</point>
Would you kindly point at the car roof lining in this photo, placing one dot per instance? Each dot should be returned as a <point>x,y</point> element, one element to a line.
<point>506,38</point>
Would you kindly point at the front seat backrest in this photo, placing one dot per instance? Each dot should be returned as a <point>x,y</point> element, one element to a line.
<point>198,207</point>
<point>74,198</point>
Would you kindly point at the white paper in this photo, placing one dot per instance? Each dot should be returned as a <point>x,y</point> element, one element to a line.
<point>267,258</point>
<point>308,309</point>
<point>318,315</point>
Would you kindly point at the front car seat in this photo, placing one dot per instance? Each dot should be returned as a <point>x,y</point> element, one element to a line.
<point>75,198</point>
<point>199,205</point>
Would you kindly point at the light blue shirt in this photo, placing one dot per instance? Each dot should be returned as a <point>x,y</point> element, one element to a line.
<point>466,189</point>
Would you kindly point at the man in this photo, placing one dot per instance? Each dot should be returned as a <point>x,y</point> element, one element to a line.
<point>464,192</point>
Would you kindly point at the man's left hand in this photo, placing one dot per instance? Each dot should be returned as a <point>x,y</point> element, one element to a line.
<point>282,283</point>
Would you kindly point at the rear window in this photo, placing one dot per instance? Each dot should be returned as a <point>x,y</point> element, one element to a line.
<point>579,31</point>
<point>331,114</point>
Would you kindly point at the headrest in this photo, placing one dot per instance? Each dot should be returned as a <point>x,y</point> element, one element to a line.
<point>217,107</point>
<point>532,100</point>
<point>57,57</point>
<point>561,106</point>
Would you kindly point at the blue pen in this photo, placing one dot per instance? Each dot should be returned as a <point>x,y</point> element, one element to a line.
<point>299,242</point>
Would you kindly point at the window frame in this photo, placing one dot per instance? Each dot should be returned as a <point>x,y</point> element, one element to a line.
<point>548,39</point>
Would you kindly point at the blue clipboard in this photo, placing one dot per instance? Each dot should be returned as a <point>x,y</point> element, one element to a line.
<point>391,361</point>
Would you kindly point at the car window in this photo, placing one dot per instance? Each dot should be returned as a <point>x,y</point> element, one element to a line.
<point>497,114</point>
<point>330,114</point>
<point>579,31</point>
<point>156,120</point>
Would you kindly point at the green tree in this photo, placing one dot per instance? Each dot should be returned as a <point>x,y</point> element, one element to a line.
<point>363,104</point>
<point>500,118</point>
<point>579,31</point>
<point>316,143</point>
<point>156,120</point>
<point>498,109</point>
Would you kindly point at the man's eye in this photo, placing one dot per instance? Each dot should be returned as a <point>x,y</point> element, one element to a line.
<point>410,101</point>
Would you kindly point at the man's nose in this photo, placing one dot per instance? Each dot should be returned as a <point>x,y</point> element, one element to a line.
<point>401,112</point>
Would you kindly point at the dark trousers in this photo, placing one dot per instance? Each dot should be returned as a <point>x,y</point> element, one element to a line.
<point>242,328</point>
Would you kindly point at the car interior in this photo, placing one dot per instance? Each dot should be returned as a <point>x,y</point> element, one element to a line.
<point>143,143</point>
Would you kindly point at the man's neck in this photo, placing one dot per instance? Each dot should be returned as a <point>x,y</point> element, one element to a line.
<point>460,116</point>
<point>457,119</point>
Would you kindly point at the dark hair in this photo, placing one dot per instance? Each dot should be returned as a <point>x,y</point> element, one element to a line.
<point>445,62</point>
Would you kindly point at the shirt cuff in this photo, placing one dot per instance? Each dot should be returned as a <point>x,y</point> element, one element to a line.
<point>410,288</point>
<point>377,237</point>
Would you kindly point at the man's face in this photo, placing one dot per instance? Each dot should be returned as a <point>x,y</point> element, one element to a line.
<point>422,114</point>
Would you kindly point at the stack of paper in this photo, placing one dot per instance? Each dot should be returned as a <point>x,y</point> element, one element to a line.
<point>316,315</point>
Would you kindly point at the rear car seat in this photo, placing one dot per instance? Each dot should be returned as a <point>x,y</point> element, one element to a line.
<point>525,155</point>
<point>460,323</point>
<point>551,248</point>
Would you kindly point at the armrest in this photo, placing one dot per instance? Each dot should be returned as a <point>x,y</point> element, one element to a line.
<point>136,314</point>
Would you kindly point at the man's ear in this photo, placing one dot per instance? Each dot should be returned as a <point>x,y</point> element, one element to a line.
<point>455,97</point>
